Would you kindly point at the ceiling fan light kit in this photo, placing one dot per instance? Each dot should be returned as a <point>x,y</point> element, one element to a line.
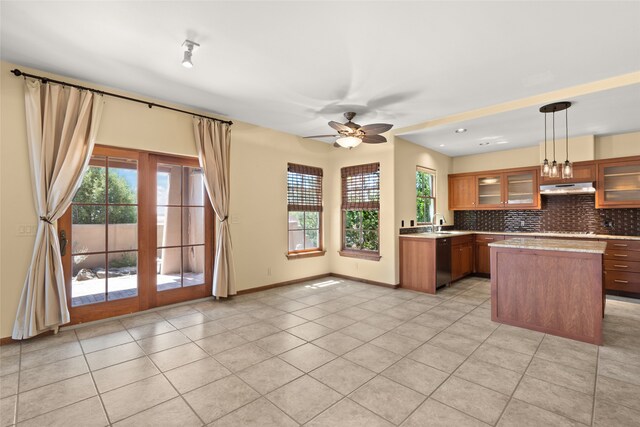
<point>351,134</point>
<point>553,170</point>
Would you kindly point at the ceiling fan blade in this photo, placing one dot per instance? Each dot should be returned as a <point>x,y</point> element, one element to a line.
<point>375,128</point>
<point>374,139</point>
<point>322,136</point>
<point>340,127</point>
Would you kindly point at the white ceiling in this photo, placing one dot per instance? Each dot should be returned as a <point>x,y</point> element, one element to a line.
<point>292,66</point>
<point>599,113</point>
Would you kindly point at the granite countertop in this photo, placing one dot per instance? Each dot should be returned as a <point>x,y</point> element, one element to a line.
<point>520,234</point>
<point>552,245</point>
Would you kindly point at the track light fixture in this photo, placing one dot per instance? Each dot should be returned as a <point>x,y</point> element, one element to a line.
<point>189,47</point>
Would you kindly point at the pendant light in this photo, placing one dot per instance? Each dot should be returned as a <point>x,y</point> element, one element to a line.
<point>567,168</point>
<point>545,168</point>
<point>553,170</point>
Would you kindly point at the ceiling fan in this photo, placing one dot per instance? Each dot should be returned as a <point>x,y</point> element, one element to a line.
<point>351,134</point>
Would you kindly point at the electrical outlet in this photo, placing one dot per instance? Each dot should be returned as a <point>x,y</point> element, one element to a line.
<point>521,223</point>
<point>269,271</point>
<point>357,266</point>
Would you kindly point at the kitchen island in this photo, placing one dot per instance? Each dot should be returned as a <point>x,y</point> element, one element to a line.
<point>552,286</point>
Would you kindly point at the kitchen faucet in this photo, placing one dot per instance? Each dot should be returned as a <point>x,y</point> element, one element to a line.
<point>444,221</point>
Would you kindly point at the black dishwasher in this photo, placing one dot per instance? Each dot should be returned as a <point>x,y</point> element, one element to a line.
<point>443,262</point>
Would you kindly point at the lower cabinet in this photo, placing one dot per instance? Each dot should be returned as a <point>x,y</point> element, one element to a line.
<point>622,266</point>
<point>482,263</point>
<point>461,257</point>
<point>418,264</point>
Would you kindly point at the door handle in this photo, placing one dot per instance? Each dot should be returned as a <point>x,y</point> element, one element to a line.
<point>63,242</point>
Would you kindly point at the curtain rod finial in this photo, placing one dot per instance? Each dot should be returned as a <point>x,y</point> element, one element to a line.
<point>16,72</point>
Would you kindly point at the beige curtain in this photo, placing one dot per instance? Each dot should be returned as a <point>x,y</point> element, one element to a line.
<point>213,140</point>
<point>62,123</point>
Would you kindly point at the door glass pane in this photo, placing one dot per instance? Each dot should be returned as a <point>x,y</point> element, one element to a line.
<point>193,193</point>
<point>93,187</point>
<point>169,269</point>
<point>123,275</point>
<point>520,189</point>
<point>193,226</point>
<point>489,190</point>
<point>193,265</point>
<point>123,228</point>
<point>168,224</point>
<point>88,281</point>
<point>87,230</point>
<point>123,181</point>
<point>169,183</point>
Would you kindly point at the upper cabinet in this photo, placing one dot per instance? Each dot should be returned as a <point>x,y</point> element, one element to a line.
<point>618,183</point>
<point>582,172</point>
<point>462,192</point>
<point>507,189</point>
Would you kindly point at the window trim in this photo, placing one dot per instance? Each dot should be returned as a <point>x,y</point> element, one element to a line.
<point>368,206</point>
<point>311,252</point>
<point>433,197</point>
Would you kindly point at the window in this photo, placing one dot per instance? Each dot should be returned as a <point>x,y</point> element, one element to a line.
<point>425,195</point>
<point>139,232</point>
<point>304,205</point>
<point>361,211</point>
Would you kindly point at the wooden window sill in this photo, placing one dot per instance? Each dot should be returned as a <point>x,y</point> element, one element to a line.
<point>301,255</point>
<point>372,256</point>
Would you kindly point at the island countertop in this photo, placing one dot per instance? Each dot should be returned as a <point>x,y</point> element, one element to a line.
<point>553,245</point>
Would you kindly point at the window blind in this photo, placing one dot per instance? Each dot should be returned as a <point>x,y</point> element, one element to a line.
<point>361,187</point>
<point>304,188</point>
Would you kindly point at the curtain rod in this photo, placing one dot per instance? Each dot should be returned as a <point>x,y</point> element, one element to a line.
<point>19,73</point>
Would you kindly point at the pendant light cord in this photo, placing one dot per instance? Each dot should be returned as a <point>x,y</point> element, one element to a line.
<point>566,131</point>
<point>545,136</point>
<point>554,136</point>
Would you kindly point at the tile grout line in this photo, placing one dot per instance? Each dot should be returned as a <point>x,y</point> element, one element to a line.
<point>520,381</point>
<point>93,380</point>
<point>595,388</point>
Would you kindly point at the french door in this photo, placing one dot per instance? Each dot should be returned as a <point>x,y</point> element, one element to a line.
<point>137,235</point>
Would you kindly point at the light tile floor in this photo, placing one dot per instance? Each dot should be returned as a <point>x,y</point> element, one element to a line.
<point>329,352</point>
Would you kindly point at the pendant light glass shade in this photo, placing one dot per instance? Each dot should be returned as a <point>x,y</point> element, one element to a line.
<point>545,168</point>
<point>554,172</point>
<point>567,170</point>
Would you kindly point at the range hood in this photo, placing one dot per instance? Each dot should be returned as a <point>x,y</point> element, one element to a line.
<point>561,189</point>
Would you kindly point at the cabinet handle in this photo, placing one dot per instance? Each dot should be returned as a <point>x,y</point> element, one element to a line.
<point>620,244</point>
<point>624,282</point>
<point>621,255</point>
<point>620,266</point>
<point>488,238</point>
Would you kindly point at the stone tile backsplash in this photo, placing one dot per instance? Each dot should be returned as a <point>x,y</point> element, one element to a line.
<point>559,213</point>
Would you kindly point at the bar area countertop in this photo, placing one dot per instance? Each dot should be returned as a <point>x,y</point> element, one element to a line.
<point>593,247</point>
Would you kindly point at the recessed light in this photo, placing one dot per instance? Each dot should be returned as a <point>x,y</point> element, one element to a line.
<point>484,143</point>
<point>461,130</point>
<point>502,142</point>
<point>441,145</point>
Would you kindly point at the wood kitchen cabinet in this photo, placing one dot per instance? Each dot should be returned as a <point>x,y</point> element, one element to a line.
<point>500,189</point>
<point>418,264</point>
<point>622,266</point>
<point>482,252</point>
<point>582,172</point>
<point>462,192</point>
<point>618,183</point>
<point>461,256</point>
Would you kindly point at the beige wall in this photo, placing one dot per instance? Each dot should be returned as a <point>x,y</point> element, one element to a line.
<point>581,148</point>
<point>621,145</point>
